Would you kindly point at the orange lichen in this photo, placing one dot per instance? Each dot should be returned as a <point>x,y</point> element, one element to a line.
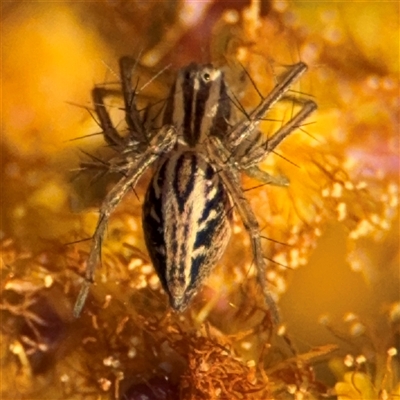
<point>374,373</point>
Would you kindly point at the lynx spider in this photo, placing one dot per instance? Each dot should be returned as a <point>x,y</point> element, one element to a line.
<point>198,155</point>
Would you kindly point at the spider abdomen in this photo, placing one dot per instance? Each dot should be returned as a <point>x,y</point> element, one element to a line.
<point>186,221</point>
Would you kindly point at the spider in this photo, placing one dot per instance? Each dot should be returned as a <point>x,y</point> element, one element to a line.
<point>198,153</point>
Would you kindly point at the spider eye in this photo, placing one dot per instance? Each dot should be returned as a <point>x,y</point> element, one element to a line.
<point>206,76</point>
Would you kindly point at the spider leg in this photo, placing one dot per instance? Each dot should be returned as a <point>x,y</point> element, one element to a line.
<point>265,177</point>
<point>161,143</point>
<point>247,127</point>
<point>256,152</point>
<point>127,66</point>
<point>308,107</point>
<point>110,133</point>
<point>219,158</point>
<point>232,182</point>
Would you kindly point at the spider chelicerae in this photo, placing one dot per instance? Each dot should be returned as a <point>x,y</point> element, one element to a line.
<point>198,153</point>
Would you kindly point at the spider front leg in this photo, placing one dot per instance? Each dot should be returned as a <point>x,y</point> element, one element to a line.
<point>258,151</point>
<point>308,107</point>
<point>161,143</point>
<point>243,141</point>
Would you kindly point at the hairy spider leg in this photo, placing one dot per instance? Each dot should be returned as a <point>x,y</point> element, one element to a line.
<point>136,128</point>
<point>163,142</point>
<point>110,133</point>
<point>233,184</point>
<point>256,156</point>
<point>246,127</point>
<point>219,150</point>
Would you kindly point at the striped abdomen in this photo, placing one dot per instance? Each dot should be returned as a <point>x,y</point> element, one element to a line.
<point>186,220</point>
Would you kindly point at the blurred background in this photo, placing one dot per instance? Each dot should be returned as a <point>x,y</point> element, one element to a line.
<point>333,261</point>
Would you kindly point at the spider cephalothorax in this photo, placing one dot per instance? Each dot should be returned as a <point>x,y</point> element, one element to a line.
<point>199,154</point>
